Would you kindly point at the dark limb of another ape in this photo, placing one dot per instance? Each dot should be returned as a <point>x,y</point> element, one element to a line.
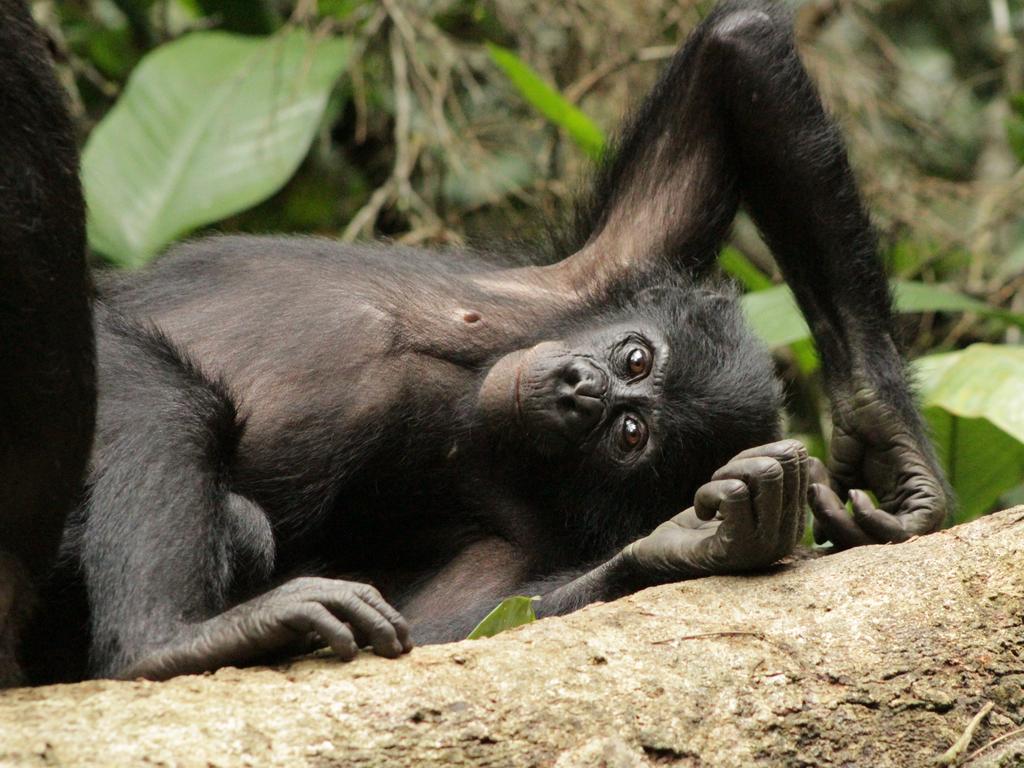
<point>47,389</point>
<point>748,516</point>
<point>736,118</point>
<point>161,508</point>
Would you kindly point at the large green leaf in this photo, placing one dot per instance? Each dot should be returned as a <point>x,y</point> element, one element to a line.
<point>974,402</point>
<point>548,101</point>
<point>511,612</point>
<point>776,319</point>
<point>207,126</point>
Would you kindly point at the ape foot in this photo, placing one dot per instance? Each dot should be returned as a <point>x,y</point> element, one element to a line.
<point>876,446</point>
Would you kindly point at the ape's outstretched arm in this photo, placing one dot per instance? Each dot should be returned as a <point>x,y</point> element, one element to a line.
<point>736,118</point>
<point>749,515</point>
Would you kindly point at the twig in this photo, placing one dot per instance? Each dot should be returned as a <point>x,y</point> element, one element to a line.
<point>703,635</point>
<point>989,745</point>
<point>397,186</point>
<point>952,755</point>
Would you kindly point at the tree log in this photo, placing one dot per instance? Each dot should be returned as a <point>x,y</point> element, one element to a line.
<point>880,656</point>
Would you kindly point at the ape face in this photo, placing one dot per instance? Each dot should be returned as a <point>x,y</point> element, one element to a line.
<point>597,393</point>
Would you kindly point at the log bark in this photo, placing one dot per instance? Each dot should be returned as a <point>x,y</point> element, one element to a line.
<point>879,656</point>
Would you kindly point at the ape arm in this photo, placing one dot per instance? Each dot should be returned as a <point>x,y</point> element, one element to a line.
<point>169,546</point>
<point>736,117</point>
<point>747,517</point>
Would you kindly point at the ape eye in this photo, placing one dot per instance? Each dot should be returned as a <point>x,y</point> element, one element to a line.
<point>639,362</point>
<point>634,433</point>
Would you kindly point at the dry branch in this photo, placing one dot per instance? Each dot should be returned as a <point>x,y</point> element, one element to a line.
<point>881,656</point>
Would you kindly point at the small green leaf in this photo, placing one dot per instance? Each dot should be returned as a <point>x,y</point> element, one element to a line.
<point>1015,136</point>
<point>511,612</point>
<point>339,9</point>
<point>548,101</point>
<point>207,126</point>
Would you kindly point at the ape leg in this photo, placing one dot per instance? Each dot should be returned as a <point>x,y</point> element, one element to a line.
<point>736,117</point>
<point>47,388</point>
<point>167,546</point>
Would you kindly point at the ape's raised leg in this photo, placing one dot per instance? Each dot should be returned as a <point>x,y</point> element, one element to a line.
<point>47,390</point>
<point>736,118</point>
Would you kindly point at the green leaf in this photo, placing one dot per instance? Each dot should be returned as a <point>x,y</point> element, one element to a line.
<point>974,402</point>
<point>734,263</point>
<point>208,125</point>
<point>511,612</point>
<point>548,101</point>
<point>1015,136</point>
<point>776,319</point>
<point>339,9</point>
<point>935,297</point>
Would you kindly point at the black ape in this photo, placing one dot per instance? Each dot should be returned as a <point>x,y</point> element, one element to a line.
<point>454,432</point>
<point>47,387</point>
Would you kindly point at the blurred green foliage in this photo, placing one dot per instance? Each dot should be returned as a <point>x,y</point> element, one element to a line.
<point>434,121</point>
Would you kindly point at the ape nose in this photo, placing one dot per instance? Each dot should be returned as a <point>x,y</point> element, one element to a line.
<point>580,395</point>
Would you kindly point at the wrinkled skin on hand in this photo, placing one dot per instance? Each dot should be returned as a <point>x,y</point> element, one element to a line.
<point>748,516</point>
<point>876,447</point>
<point>296,617</point>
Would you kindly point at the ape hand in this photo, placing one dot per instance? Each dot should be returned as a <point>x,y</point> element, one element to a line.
<point>748,516</point>
<point>304,613</point>
<point>875,447</point>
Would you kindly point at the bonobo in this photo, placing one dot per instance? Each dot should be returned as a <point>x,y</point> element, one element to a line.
<point>47,380</point>
<point>286,421</point>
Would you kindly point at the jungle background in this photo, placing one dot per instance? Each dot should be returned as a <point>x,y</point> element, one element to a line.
<point>452,122</point>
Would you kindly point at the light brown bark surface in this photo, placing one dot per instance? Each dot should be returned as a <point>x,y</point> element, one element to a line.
<point>874,657</point>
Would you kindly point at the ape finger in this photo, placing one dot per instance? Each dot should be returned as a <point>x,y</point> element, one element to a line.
<point>795,513</point>
<point>308,617</point>
<point>374,598</point>
<point>831,521</point>
<point>877,523</point>
<point>712,495</point>
<point>369,626</point>
<point>792,456</point>
<point>764,477</point>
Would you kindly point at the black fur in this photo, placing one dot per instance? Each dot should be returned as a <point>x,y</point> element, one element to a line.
<point>47,389</point>
<point>273,408</point>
